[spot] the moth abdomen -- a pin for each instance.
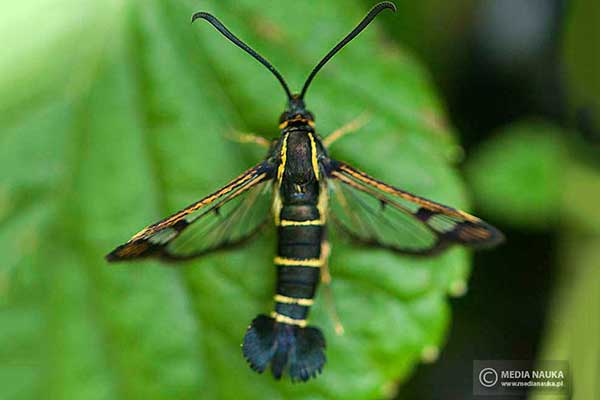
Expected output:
(283, 340)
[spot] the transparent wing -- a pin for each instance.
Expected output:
(230, 217)
(376, 214)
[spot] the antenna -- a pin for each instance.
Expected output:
(235, 40)
(359, 28)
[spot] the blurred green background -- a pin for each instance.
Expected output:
(114, 114)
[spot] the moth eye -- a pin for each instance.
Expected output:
(284, 117)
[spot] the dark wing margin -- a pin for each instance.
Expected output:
(375, 214)
(229, 217)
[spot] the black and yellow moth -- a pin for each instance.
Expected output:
(302, 190)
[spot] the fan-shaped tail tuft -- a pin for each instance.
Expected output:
(300, 351)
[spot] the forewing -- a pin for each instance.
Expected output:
(376, 214)
(229, 217)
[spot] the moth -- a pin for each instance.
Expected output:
(301, 190)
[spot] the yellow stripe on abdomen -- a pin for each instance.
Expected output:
(293, 300)
(287, 320)
(293, 262)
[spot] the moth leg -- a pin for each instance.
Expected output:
(242, 137)
(326, 280)
(350, 127)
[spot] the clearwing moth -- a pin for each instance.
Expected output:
(301, 189)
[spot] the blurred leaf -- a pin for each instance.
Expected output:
(582, 63)
(581, 192)
(446, 23)
(517, 176)
(573, 331)
(115, 116)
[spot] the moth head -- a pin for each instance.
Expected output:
(296, 111)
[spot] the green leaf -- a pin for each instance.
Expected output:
(114, 114)
(573, 332)
(581, 191)
(518, 175)
(582, 59)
